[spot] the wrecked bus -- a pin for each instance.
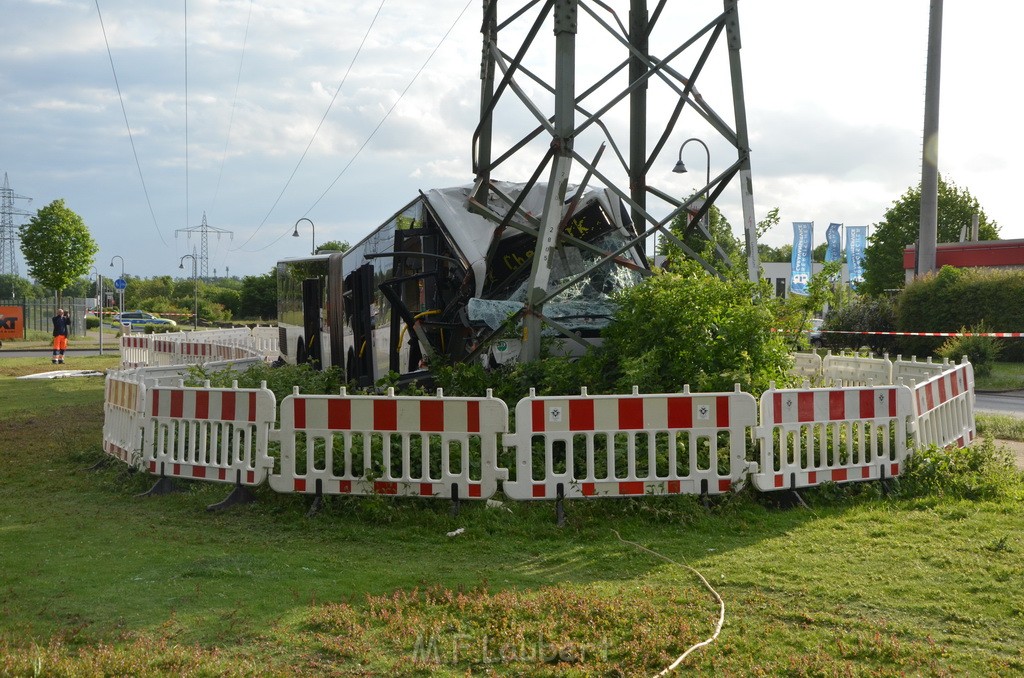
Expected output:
(444, 278)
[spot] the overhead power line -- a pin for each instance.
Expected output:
(124, 112)
(319, 125)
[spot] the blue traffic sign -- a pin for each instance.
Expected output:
(120, 284)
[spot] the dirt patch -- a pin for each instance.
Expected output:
(1017, 448)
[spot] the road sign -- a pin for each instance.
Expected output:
(120, 284)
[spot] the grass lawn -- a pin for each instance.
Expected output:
(97, 581)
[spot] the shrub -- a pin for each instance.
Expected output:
(981, 471)
(688, 327)
(91, 322)
(865, 314)
(955, 298)
(983, 352)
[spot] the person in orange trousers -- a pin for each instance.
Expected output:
(61, 329)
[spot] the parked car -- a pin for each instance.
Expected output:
(815, 333)
(140, 318)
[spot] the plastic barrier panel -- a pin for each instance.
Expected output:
(392, 445)
(807, 366)
(135, 350)
(944, 406)
(811, 436)
(629, 445)
(907, 371)
(853, 370)
(216, 434)
(123, 417)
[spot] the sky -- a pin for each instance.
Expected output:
(339, 112)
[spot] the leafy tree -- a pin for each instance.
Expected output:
(16, 287)
(57, 246)
(883, 257)
(783, 253)
(333, 246)
(721, 236)
(258, 296)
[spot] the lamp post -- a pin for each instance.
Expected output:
(312, 226)
(120, 292)
(195, 281)
(99, 296)
(680, 168)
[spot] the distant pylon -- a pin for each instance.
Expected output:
(8, 237)
(204, 230)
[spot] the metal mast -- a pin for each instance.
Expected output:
(204, 231)
(8, 236)
(566, 115)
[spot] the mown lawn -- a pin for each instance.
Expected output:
(97, 581)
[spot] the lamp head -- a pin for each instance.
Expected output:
(181, 265)
(295, 234)
(680, 168)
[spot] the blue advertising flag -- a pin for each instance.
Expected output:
(803, 237)
(856, 241)
(834, 240)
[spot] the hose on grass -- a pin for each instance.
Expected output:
(721, 604)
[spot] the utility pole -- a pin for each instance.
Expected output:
(929, 228)
(204, 231)
(8, 236)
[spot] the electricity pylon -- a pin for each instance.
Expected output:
(204, 231)
(8, 236)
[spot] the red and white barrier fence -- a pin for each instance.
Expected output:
(630, 445)
(216, 434)
(392, 445)
(191, 348)
(123, 412)
(944, 406)
(854, 370)
(811, 436)
(563, 447)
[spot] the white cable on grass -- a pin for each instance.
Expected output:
(721, 605)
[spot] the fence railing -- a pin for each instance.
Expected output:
(562, 447)
(193, 348)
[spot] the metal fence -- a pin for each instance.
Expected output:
(39, 314)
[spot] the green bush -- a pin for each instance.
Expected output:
(864, 314)
(983, 352)
(981, 471)
(961, 297)
(688, 327)
(91, 322)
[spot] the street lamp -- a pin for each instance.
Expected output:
(120, 292)
(195, 281)
(99, 295)
(295, 234)
(680, 168)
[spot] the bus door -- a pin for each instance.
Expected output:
(335, 311)
(359, 312)
(312, 303)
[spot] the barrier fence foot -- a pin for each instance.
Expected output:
(889, 486)
(455, 501)
(318, 500)
(163, 485)
(239, 495)
(560, 507)
(102, 463)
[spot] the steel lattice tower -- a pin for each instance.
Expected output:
(8, 238)
(204, 230)
(564, 111)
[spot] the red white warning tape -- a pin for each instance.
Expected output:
(920, 334)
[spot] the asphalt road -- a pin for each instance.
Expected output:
(42, 353)
(1009, 402)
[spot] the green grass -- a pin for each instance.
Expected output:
(97, 581)
(1004, 377)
